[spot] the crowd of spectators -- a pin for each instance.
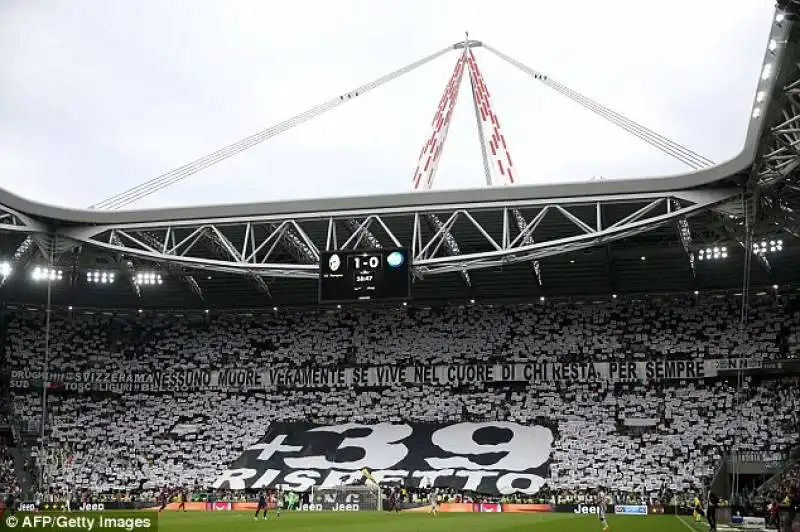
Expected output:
(145, 441)
(677, 328)
(8, 478)
(787, 482)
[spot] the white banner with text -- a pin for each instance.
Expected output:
(374, 376)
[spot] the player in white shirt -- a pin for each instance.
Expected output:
(432, 498)
(279, 500)
(601, 510)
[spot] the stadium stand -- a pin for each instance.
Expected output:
(8, 479)
(787, 482)
(143, 441)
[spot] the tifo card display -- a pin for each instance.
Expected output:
(496, 457)
(364, 275)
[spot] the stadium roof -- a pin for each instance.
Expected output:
(495, 244)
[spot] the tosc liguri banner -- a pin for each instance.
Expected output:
(490, 458)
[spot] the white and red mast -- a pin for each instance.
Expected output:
(498, 165)
(431, 151)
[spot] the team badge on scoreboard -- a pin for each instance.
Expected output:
(334, 262)
(395, 259)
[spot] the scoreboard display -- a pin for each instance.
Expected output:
(364, 275)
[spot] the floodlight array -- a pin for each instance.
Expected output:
(46, 274)
(767, 247)
(767, 72)
(100, 277)
(715, 253)
(148, 278)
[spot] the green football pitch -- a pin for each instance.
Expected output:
(415, 522)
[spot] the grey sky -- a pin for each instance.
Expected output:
(98, 96)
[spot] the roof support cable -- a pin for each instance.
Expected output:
(179, 174)
(667, 146)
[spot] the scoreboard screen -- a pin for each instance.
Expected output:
(363, 275)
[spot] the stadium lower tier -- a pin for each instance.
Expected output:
(632, 437)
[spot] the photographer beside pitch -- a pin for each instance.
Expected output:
(711, 511)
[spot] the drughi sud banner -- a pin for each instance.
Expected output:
(490, 458)
(374, 376)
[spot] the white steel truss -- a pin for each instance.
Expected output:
(780, 159)
(775, 179)
(12, 221)
(488, 233)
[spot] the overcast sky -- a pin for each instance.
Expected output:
(98, 96)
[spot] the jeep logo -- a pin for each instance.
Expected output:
(86, 507)
(345, 508)
(310, 508)
(585, 509)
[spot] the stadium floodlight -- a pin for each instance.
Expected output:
(100, 277)
(715, 253)
(148, 278)
(767, 247)
(5, 269)
(773, 45)
(46, 274)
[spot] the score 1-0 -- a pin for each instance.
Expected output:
(365, 262)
